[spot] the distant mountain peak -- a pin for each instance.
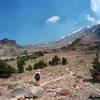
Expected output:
(62, 37)
(7, 40)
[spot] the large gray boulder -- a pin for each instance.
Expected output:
(17, 92)
(30, 92)
(35, 92)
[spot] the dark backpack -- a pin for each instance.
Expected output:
(37, 76)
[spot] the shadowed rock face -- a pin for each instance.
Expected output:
(7, 42)
(89, 40)
(4, 75)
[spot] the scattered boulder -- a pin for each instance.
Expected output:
(86, 80)
(76, 85)
(81, 81)
(11, 86)
(79, 77)
(21, 98)
(64, 92)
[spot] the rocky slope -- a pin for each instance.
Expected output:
(88, 35)
(69, 82)
(90, 40)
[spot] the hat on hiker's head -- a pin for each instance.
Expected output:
(38, 71)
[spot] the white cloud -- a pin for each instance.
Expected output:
(95, 6)
(90, 18)
(53, 19)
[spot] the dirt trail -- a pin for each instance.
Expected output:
(59, 78)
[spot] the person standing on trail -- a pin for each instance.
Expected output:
(37, 77)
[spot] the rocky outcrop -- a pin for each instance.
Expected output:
(9, 48)
(7, 42)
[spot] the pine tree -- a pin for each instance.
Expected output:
(96, 63)
(20, 65)
(64, 61)
(96, 69)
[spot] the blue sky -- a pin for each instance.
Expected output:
(38, 21)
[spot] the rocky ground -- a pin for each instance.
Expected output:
(69, 82)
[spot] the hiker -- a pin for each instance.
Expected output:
(37, 77)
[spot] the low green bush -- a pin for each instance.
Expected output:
(41, 64)
(29, 68)
(55, 61)
(6, 70)
(20, 65)
(64, 61)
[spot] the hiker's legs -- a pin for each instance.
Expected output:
(38, 83)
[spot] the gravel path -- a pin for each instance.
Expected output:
(59, 78)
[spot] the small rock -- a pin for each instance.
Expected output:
(21, 98)
(76, 85)
(11, 86)
(80, 81)
(64, 92)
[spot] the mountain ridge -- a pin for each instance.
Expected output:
(88, 35)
